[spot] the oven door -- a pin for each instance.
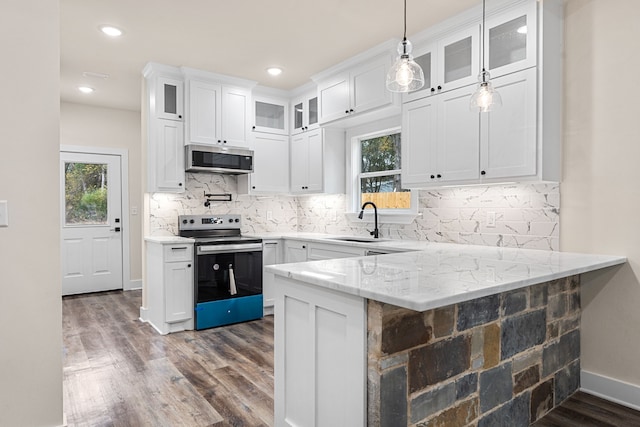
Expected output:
(228, 284)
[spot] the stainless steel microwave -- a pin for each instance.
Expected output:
(215, 159)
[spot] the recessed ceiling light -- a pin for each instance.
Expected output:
(110, 30)
(274, 71)
(522, 30)
(85, 89)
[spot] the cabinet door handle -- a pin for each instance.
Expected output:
(253, 187)
(179, 184)
(439, 176)
(483, 172)
(433, 89)
(351, 110)
(433, 176)
(253, 128)
(439, 87)
(181, 248)
(270, 243)
(304, 247)
(188, 265)
(179, 116)
(346, 111)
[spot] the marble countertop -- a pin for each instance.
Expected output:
(168, 239)
(433, 275)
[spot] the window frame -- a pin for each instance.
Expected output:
(354, 156)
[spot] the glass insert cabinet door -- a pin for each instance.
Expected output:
(510, 41)
(270, 116)
(305, 114)
(169, 98)
(459, 59)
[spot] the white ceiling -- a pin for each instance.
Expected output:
(234, 37)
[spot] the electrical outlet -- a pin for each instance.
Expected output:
(269, 215)
(491, 219)
(4, 213)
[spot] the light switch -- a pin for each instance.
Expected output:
(4, 213)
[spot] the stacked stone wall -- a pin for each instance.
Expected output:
(502, 360)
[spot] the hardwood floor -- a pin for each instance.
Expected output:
(118, 371)
(585, 410)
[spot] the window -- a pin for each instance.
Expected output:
(376, 172)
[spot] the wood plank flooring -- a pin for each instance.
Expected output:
(585, 410)
(119, 371)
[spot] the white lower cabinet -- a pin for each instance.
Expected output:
(169, 286)
(317, 251)
(320, 363)
(295, 251)
(271, 254)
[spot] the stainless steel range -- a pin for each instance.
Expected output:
(228, 270)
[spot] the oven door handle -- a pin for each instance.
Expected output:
(222, 249)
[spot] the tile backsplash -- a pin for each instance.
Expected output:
(526, 215)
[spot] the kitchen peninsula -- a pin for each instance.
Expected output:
(445, 335)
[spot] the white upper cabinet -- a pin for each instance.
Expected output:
(218, 114)
(236, 113)
(166, 157)
(165, 129)
(270, 115)
(317, 162)
(510, 41)
(204, 112)
(304, 114)
(508, 136)
(270, 167)
(358, 90)
(169, 98)
(449, 63)
(440, 140)
(218, 109)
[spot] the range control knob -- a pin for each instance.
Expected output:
(184, 221)
(191, 221)
(230, 220)
(237, 220)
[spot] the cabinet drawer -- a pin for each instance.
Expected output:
(178, 252)
(225, 312)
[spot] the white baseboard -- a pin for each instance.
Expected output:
(144, 314)
(610, 389)
(134, 285)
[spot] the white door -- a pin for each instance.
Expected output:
(91, 248)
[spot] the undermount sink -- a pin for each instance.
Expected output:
(358, 239)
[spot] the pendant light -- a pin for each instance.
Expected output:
(485, 97)
(405, 75)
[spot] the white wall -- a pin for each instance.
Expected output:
(601, 186)
(84, 125)
(30, 289)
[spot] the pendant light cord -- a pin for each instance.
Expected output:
(405, 19)
(483, 30)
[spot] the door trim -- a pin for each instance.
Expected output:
(127, 283)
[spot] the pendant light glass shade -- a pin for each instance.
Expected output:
(485, 98)
(405, 75)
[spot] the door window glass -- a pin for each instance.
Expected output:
(85, 192)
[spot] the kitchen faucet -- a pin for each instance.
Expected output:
(375, 233)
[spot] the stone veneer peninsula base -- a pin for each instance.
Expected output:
(501, 360)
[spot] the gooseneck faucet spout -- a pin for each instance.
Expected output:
(375, 233)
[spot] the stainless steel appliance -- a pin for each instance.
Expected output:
(228, 270)
(218, 159)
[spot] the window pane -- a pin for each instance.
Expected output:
(381, 153)
(385, 192)
(85, 191)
